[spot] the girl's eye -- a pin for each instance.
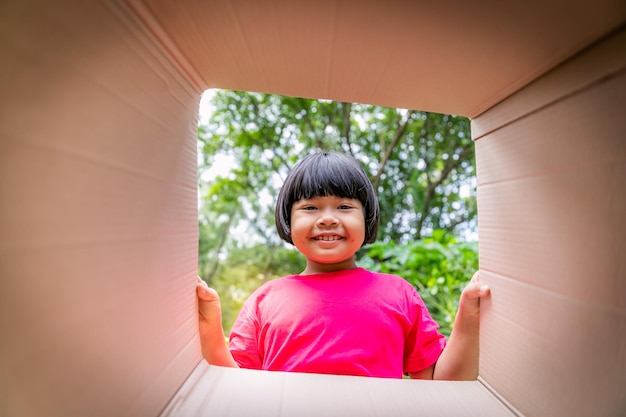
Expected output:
(345, 207)
(308, 208)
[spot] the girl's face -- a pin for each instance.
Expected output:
(328, 231)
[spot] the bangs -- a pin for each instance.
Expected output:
(327, 174)
(329, 178)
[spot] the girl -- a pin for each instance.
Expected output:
(334, 317)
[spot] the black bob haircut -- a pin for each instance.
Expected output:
(327, 174)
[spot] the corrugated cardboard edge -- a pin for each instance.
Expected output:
(499, 397)
(181, 401)
(586, 68)
(146, 20)
(213, 390)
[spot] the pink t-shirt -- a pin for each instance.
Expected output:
(352, 322)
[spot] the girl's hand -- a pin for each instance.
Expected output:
(469, 304)
(212, 341)
(459, 359)
(209, 308)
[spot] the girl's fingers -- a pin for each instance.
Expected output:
(483, 290)
(206, 293)
(480, 290)
(476, 290)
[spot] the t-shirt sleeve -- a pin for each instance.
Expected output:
(243, 342)
(424, 343)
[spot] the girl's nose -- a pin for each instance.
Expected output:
(327, 218)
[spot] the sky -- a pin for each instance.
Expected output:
(205, 106)
(224, 163)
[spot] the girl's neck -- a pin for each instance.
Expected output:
(313, 267)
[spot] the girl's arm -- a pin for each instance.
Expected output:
(459, 359)
(214, 348)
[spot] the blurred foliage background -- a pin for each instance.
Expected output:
(421, 164)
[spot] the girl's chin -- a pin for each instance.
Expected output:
(340, 263)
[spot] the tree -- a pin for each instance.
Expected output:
(418, 162)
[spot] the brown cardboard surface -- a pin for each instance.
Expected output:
(580, 72)
(98, 214)
(212, 390)
(551, 242)
(452, 57)
(553, 355)
(98, 210)
(524, 221)
(548, 176)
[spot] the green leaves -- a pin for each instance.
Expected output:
(245, 269)
(438, 266)
(422, 166)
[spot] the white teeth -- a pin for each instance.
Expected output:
(328, 238)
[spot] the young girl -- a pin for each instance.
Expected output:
(334, 317)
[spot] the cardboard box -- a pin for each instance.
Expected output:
(98, 207)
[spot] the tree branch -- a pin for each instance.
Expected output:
(432, 186)
(454, 163)
(346, 110)
(399, 133)
(222, 242)
(457, 222)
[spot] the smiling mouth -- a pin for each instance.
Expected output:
(327, 238)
